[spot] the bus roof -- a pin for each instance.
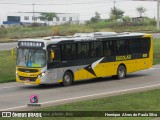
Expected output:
(84, 37)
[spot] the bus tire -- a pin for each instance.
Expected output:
(67, 79)
(121, 72)
(42, 84)
(114, 76)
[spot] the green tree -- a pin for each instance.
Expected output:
(126, 19)
(116, 13)
(141, 10)
(96, 18)
(47, 17)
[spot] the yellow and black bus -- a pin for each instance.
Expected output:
(65, 59)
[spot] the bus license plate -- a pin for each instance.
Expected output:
(26, 80)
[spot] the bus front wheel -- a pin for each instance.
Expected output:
(121, 72)
(67, 79)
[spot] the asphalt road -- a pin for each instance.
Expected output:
(15, 96)
(156, 35)
(9, 46)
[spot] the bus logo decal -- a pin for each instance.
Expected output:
(90, 68)
(29, 64)
(125, 57)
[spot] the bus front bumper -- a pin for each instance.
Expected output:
(28, 80)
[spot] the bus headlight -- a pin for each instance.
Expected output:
(42, 74)
(16, 73)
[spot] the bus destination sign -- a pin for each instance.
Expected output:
(30, 44)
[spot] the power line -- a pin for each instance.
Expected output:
(56, 4)
(65, 3)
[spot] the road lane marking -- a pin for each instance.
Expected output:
(13, 108)
(99, 94)
(86, 96)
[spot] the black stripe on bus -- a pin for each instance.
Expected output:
(92, 60)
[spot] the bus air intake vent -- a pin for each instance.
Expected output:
(27, 70)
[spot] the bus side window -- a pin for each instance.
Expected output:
(93, 52)
(145, 43)
(50, 55)
(68, 52)
(134, 46)
(107, 51)
(83, 50)
(96, 49)
(121, 47)
(53, 54)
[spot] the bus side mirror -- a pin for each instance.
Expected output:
(13, 53)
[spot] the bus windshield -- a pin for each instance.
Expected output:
(31, 57)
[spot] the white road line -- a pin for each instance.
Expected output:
(13, 108)
(100, 94)
(86, 96)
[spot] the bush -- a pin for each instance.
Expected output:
(3, 32)
(152, 22)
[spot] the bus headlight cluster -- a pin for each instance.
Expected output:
(42, 74)
(16, 73)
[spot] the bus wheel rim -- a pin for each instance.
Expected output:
(121, 73)
(67, 79)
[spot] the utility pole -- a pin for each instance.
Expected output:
(33, 13)
(158, 11)
(114, 4)
(158, 8)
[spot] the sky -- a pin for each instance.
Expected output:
(86, 8)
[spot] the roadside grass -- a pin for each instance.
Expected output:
(7, 67)
(116, 27)
(156, 51)
(7, 63)
(140, 101)
(136, 101)
(14, 33)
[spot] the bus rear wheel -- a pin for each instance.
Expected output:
(121, 72)
(67, 79)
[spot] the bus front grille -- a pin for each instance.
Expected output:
(27, 70)
(32, 79)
